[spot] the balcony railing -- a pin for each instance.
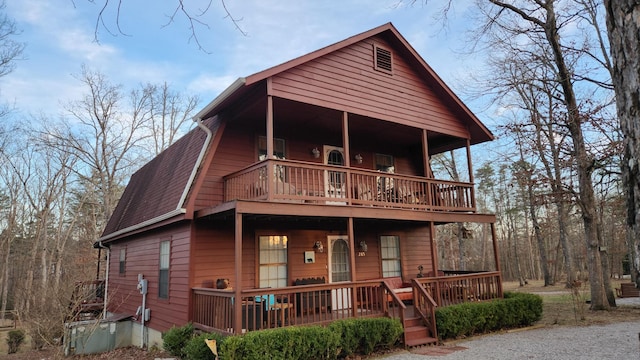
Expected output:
(301, 182)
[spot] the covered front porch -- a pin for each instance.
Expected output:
(217, 310)
(314, 290)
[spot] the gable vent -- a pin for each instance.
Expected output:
(383, 59)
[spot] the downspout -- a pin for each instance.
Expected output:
(196, 166)
(106, 278)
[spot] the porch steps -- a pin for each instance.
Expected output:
(416, 333)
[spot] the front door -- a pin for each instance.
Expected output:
(339, 271)
(334, 180)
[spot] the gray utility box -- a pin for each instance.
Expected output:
(96, 336)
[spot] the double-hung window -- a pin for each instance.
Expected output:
(390, 254)
(273, 261)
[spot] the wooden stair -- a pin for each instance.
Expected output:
(416, 333)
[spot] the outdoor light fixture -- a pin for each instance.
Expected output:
(318, 247)
(363, 246)
(358, 158)
(315, 152)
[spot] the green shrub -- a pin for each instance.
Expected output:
(515, 310)
(366, 335)
(340, 338)
(14, 340)
(197, 349)
(176, 338)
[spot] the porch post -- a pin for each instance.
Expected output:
(347, 154)
(495, 255)
(237, 308)
(270, 170)
(425, 154)
(434, 260)
(495, 247)
(434, 248)
(473, 197)
(269, 121)
(352, 263)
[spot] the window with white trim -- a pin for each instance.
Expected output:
(273, 261)
(163, 278)
(390, 254)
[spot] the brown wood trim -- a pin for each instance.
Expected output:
(271, 208)
(237, 316)
(425, 155)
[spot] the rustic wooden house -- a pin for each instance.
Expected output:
(304, 195)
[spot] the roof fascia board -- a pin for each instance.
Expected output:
(143, 224)
(230, 90)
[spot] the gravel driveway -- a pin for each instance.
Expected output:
(613, 341)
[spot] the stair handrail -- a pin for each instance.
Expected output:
(425, 306)
(395, 299)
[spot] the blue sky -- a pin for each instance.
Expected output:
(59, 37)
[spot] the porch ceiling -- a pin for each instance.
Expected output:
(292, 116)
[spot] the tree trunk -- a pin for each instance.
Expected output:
(623, 24)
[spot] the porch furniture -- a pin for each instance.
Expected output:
(253, 315)
(281, 312)
(312, 301)
(403, 290)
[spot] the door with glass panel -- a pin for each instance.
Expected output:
(339, 271)
(335, 180)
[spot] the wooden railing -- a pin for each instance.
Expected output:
(213, 310)
(296, 181)
(425, 307)
(455, 289)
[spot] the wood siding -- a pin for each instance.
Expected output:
(346, 80)
(214, 251)
(143, 257)
(415, 249)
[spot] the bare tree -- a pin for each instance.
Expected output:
(195, 17)
(171, 112)
(623, 24)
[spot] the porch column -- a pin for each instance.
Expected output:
(352, 263)
(347, 154)
(237, 308)
(473, 196)
(496, 258)
(352, 252)
(269, 121)
(434, 248)
(270, 170)
(425, 154)
(434, 256)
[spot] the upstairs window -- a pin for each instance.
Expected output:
(382, 59)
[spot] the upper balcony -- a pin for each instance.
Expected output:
(304, 182)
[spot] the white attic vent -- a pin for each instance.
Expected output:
(383, 61)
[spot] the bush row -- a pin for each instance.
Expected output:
(337, 340)
(515, 310)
